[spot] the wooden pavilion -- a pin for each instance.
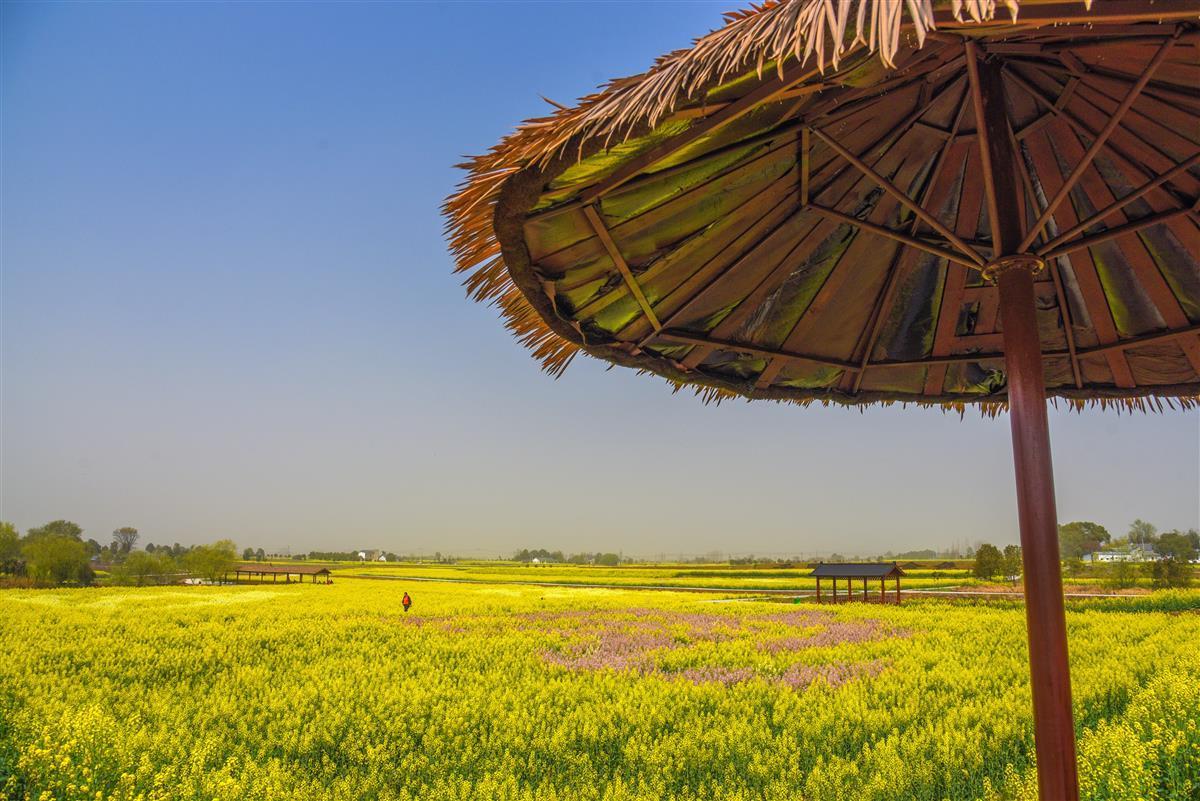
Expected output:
(287, 571)
(854, 571)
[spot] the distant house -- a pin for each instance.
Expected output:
(1133, 553)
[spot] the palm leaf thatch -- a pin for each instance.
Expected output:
(791, 55)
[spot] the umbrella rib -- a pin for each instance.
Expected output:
(661, 264)
(982, 138)
(743, 105)
(708, 284)
(894, 235)
(688, 338)
(1100, 139)
(902, 258)
(1136, 164)
(885, 142)
(606, 239)
(1060, 293)
(753, 350)
(901, 196)
(1136, 194)
(1133, 226)
(1087, 276)
(1139, 259)
(881, 144)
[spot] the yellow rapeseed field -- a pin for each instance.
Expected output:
(501, 692)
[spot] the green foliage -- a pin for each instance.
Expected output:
(1081, 537)
(1179, 545)
(211, 561)
(56, 559)
(1011, 566)
(988, 561)
(123, 541)
(1141, 532)
(141, 567)
(1169, 572)
(541, 554)
(10, 542)
(1120, 575)
(56, 528)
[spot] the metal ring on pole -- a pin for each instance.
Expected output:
(1019, 261)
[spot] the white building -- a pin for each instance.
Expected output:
(1133, 553)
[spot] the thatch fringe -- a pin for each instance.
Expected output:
(762, 36)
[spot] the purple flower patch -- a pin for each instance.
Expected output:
(635, 639)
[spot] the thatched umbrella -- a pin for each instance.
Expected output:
(868, 201)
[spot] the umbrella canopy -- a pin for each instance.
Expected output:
(751, 223)
(871, 201)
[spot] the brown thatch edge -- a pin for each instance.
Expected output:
(521, 192)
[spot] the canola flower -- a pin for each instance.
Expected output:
(496, 692)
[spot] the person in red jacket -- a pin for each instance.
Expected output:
(406, 601)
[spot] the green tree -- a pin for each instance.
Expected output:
(56, 528)
(608, 559)
(260, 555)
(10, 541)
(1120, 575)
(1169, 572)
(1179, 545)
(211, 561)
(988, 561)
(57, 560)
(1010, 563)
(123, 540)
(1141, 532)
(142, 567)
(247, 554)
(1081, 537)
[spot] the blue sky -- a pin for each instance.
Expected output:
(228, 310)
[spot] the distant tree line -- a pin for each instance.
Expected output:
(56, 554)
(542, 555)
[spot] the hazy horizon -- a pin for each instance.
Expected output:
(228, 311)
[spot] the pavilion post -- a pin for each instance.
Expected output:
(818, 589)
(1050, 679)
(882, 592)
(897, 590)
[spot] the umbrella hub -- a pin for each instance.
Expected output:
(1018, 261)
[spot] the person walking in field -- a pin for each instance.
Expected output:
(407, 601)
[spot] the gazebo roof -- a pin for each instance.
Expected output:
(857, 570)
(304, 570)
(705, 221)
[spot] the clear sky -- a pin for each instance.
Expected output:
(228, 310)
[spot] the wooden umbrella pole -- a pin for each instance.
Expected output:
(1050, 678)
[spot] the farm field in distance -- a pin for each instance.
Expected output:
(684, 575)
(518, 692)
